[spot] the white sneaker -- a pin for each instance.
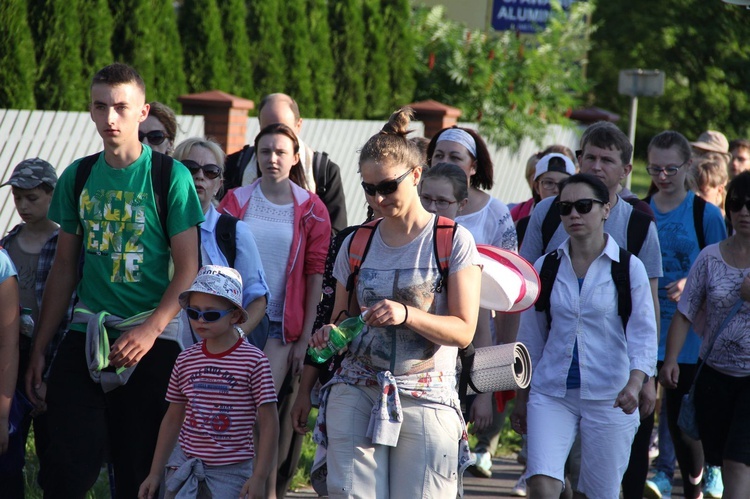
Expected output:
(519, 489)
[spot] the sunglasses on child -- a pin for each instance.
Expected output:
(209, 171)
(582, 206)
(206, 315)
(385, 187)
(154, 137)
(736, 204)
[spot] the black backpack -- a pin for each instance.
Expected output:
(620, 275)
(226, 237)
(161, 174)
(638, 226)
(699, 206)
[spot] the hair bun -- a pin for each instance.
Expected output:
(398, 122)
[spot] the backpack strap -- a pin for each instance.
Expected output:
(699, 206)
(226, 237)
(359, 245)
(161, 176)
(621, 278)
(521, 226)
(547, 277)
(82, 174)
(550, 223)
(320, 172)
(234, 167)
(443, 232)
(638, 225)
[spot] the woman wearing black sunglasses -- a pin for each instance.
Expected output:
(205, 159)
(588, 367)
(159, 129)
(718, 281)
(391, 413)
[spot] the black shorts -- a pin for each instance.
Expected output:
(722, 405)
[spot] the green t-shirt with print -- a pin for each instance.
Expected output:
(126, 265)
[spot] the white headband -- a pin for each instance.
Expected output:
(460, 137)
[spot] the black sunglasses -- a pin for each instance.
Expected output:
(154, 137)
(736, 204)
(582, 206)
(385, 187)
(209, 171)
(207, 315)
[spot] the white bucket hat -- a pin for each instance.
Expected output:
(224, 282)
(509, 282)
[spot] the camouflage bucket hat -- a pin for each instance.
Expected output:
(31, 173)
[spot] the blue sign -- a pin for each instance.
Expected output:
(526, 16)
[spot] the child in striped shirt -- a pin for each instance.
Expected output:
(218, 389)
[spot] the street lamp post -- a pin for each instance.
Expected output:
(639, 83)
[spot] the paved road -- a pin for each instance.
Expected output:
(505, 472)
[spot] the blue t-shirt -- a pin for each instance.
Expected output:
(679, 249)
(574, 372)
(7, 269)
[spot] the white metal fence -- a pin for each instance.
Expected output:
(61, 137)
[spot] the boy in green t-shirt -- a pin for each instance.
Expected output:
(117, 399)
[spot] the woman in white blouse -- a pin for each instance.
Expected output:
(588, 367)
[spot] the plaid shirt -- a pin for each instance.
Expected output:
(46, 256)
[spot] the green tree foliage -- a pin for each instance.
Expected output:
(321, 65)
(298, 54)
(169, 80)
(55, 27)
(347, 41)
(146, 38)
(17, 61)
(512, 86)
(400, 50)
(702, 48)
(377, 82)
(266, 34)
(203, 45)
(239, 52)
(96, 37)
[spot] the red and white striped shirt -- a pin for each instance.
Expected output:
(222, 393)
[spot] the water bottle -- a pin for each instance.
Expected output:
(339, 337)
(27, 323)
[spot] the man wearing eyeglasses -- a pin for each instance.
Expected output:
(605, 153)
(322, 175)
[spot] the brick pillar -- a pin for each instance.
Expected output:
(435, 116)
(225, 116)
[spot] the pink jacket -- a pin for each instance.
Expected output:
(310, 240)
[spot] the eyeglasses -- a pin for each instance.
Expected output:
(736, 204)
(209, 171)
(206, 315)
(440, 204)
(669, 171)
(154, 137)
(549, 185)
(582, 206)
(385, 187)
